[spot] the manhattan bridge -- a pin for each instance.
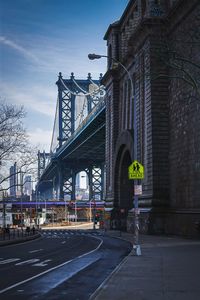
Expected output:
(78, 141)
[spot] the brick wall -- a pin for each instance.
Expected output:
(184, 112)
(151, 46)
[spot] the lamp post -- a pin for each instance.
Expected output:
(136, 246)
(94, 213)
(4, 211)
(90, 210)
(21, 192)
(38, 202)
(65, 210)
(75, 209)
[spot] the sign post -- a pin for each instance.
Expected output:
(135, 172)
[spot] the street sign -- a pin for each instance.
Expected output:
(136, 170)
(137, 190)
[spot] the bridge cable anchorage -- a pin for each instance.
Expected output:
(80, 88)
(101, 88)
(90, 93)
(94, 83)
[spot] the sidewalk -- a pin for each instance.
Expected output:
(169, 268)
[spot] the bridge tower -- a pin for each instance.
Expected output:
(76, 99)
(69, 111)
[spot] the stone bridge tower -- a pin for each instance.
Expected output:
(144, 41)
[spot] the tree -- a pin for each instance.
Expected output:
(13, 137)
(179, 57)
(14, 145)
(26, 165)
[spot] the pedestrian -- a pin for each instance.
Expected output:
(33, 229)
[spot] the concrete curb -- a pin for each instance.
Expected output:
(104, 283)
(20, 240)
(119, 237)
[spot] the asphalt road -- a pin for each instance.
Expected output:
(62, 264)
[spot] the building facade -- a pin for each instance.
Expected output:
(28, 186)
(158, 42)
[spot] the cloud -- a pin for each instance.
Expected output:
(19, 48)
(50, 55)
(39, 135)
(37, 98)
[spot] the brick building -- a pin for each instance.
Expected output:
(158, 41)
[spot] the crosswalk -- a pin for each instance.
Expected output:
(49, 234)
(67, 233)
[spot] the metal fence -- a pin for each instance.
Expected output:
(15, 233)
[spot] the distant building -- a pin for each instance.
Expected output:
(27, 185)
(13, 180)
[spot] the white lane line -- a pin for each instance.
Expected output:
(63, 242)
(42, 263)
(26, 262)
(51, 269)
(7, 261)
(33, 251)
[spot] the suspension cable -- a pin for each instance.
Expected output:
(85, 93)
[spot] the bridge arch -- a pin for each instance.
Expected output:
(123, 187)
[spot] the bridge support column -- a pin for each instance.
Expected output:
(96, 182)
(60, 195)
(69, 187)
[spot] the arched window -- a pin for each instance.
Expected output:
(143, 7)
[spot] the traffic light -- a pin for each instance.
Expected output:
(97, 218)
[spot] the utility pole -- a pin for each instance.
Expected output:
(94, 214)
(21, 192)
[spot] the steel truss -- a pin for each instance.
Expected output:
(95, 176)
(42, 162)
(68, 89)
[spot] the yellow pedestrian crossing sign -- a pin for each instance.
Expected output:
(136, 170)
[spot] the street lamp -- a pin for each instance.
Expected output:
(38, 200)
(94, 213)
(136, 247)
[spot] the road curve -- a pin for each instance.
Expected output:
(46, 268)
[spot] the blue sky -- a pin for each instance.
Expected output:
(39, 39)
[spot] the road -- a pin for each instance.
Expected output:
(62, 264)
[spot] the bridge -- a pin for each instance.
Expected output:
(78, 141)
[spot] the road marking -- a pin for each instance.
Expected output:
(51, 269)
(33, 251)
(63, 242)
(42, 263)
(26, 262)
(7, 261)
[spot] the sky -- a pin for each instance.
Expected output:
(39, 39)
